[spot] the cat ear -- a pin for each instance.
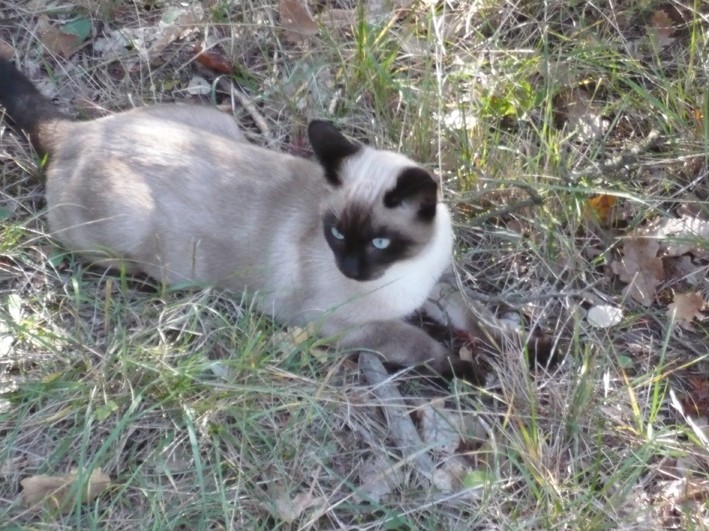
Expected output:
(330, 147)
(415, 185)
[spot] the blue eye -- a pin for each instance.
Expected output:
(336, 233)
(381, 243)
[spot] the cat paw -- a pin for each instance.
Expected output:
(474, 372)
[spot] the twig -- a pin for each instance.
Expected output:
(250, 107)
(402, 429)
(534, 200)
(625, 158)
(516, 301)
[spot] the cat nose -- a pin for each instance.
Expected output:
(351, 267)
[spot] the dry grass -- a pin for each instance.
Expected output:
(207, 416)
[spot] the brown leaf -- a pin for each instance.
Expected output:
(696, 400)
(641, 268)
(600, 208)
(58, 42)
(213, 60)
(296, 21)
(686, 307)
(378, 477)
(662, 24)
(581, 113)
(289, 509)
(57, 490)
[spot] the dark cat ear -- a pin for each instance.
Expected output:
(415, 185)
(330, 147)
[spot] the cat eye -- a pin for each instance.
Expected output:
(381, 243)
(337, 234)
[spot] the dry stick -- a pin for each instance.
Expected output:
(250, 107)
(534, 200)
(402, 429)
(625, 158)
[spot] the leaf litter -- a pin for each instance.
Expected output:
(58, 492)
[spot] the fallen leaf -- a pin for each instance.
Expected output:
(477, 478)
(296, 21)
(604, 316)
(295, 338)
(465, 353)
(686, 307)
(289, 509)
(684, 269)
(378, 477)
(213, 60)
(114, 44)
(696, 400)
(439, 428)
(640, 268)
(176, 23)
(682, 235)
(198, 86)
(662, 28)
(582, 114)
(454, 475)
(13, 303)
(57, 490)
(79, 27)
(58, 42)
(600, 208)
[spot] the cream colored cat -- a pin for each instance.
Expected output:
(352, 243)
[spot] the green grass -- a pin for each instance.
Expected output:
(206, 415)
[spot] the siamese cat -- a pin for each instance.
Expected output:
(353, 242)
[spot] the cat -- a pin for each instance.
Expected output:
(353, 242)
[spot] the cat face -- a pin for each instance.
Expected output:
(382, 209)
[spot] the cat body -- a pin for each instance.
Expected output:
(352, 243)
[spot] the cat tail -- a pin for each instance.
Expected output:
(25, 105)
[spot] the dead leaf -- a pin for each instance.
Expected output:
(465, 353)
(378, 477)
(176, 23)
(455, 475)
(57, 490)
(600, 208)
(198, 86)
(58, 42)
(604, 316)
(213, 60)
(686, 307)
(289, 509)
(684, 269)
(439, 428)
(295, 338)
(696, 400)
(682, 235)
(640, 268)
(296, 21)
(581, 113)
(662, 28)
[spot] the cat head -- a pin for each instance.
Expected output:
(382, 208)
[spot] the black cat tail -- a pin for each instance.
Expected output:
(25, 105)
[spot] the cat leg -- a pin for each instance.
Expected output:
(405, 345)
(448, 306)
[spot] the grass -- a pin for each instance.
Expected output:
(206, 415)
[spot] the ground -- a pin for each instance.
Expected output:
(572, 140)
